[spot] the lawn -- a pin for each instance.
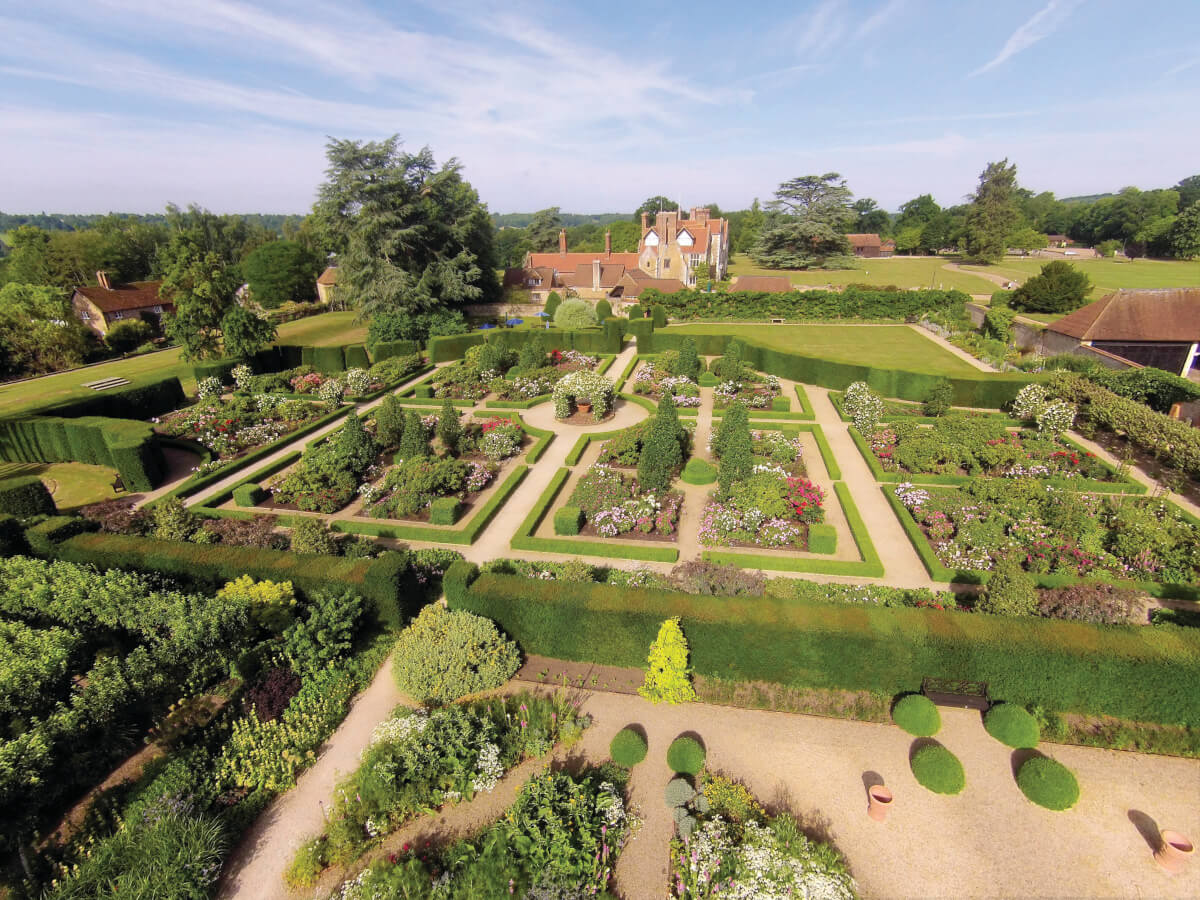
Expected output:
(901, 271)
(884, 346)
(322, 330)
(1108, 275)
(72, 484)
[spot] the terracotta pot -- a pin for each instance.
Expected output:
(1174, 851)
(879, 799)
(584, 407)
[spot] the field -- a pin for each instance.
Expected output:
(902, 271)
(886, 346)
(1109, 275)
(322, 330)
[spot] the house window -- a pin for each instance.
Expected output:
(118, 315)
(85, 315)
(666, 265)
(157, 309)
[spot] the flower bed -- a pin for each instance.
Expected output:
(654, 380)
(730, 847)
(328, 476)
(230, 428)
(613, 506)
(407, 491)
(960, 446)
(1055, 531)
(753, 390)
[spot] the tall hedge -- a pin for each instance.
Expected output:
(1142, 673)
(990, 391)
(851, 303)
(129, 447)
(589, 340)
(24, 497)
(329, 360)
(356, 357)
(386, 581)
(388, 349)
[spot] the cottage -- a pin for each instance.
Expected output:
(866, 246)
(1159, 328)
(101, 306)
(326, 282)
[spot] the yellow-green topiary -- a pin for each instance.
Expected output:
(270, 604)
(668, 678)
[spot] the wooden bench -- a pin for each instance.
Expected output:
(118, 485)
(961, 694)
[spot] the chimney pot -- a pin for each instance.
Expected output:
(562, 240)
(595, 274)
(102, 280)
(608, 243)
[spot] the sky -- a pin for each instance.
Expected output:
(127, 105)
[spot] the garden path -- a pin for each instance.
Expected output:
(957, 351)
(255, 869)
(298, 444)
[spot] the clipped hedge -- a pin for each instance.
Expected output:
(990, 391)
(43, 537)
(938, 770)
(127, 446)
(387, 349)
(1048, 783)
(356, 357)
(699, 471)
(140, 400)
(329, 360)
(250, 494)
(685, 756)
(385, 581)
(12, 536)
(918, 715)
(1147, 673)
(444, 511)
(822, 539)
(568, 520)
(1012, 725)
(26, 496)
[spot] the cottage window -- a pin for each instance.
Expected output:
(85, 315)
(667, 265)
(157, 309)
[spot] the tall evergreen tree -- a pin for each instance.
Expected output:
(389, 422)
(993, 214)
(736, 450)
(532, 355)
(355, 446)
(689, 359)
(661, 454)
(542, 233)
(448, 429)
(413, 444)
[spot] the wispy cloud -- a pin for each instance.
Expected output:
(1042, 24)
(1182, 67)
(879, 18)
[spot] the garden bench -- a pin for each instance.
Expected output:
(118, 485)
(961, 694)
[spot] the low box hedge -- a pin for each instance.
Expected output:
(26, 496)
(805, 404)
(707, 379)
(822, 538)
(423, 391)
(47, 534)
(568, 520)
(250, 494)
(1143, 673)
(444, 511)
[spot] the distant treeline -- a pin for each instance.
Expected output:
(522, 220)
(73, 222)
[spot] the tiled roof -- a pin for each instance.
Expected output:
(138, 295)
(329, 276)
(609, 275)
(863, 240)
(566, 262)
(1169, 315)
(762, 284)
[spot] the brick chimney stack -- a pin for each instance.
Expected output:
(102, 280)
(645, 221)
(595, 274)
(562, 240)
(607, 243)
(701, 213)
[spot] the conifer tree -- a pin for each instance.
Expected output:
(661, 453)
(737, 456)
(448, 429)
(689, 359)
(355, 446)
(389, 422)
(668, 678)
(532, 355)
(414, 444)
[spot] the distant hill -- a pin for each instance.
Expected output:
(521, 220)
(74, 222)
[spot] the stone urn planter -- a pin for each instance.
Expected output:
(879, 799)
(1174, 851)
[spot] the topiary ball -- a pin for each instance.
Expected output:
(917, 715)
(699, 471)
(939, 770)
(1048, 783)
(1012, 725)
(679, 791)
(685, 756)
(628, 748)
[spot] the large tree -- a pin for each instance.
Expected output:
(1058, 288)
(282, 271)
(817, 199)
(652, 205)
(869, 218)
(917, 211)
(1189, 191)
(38, 333)
(993, 214)
(542, 233)
(202, 286)
(415, 236)
(1185, 233)
(806, 224)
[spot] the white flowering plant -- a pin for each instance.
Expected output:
(208, 389)
(864, 406)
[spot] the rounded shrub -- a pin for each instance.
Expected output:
(1048, 783)
(446, 654)
(699, 471)
(938, 770)
(679, 792)
(574, 314)
(685, 756)
(628, 748)
(917, 715)
(1012, 725)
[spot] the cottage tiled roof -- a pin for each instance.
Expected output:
(610, 274)
(122, 297)
(329, 276)
(863, 240)
(1170, 315)
(567, 262)
(762, 284)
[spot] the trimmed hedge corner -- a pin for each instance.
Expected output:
(1012, 725)
(918, 715)
(444, 511)
(423, 391)
(44, 537)
(628, 748)
(685, 756)
(25, 497)
(822, 539)
(1048, 783)
(938, 770)
(568, 520)
(250, 494)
